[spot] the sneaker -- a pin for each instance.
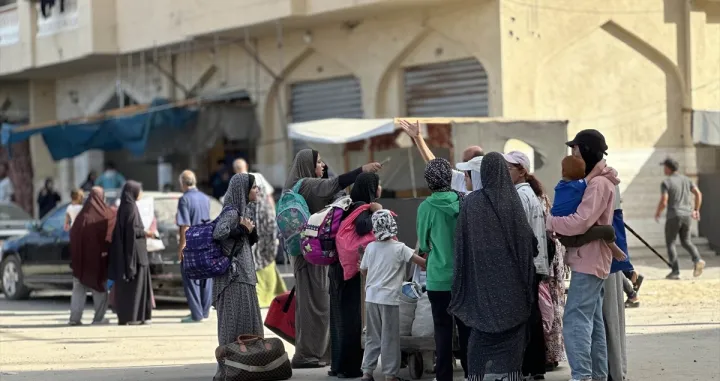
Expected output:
(699, 267)
(673, 276)
(74, 323)
(101, 322)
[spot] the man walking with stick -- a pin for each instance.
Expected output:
(676, 191)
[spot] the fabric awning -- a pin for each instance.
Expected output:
(706, 127)
(158, 129)
(339, 131)
(67, 140)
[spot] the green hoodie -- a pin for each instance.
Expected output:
(436, 219)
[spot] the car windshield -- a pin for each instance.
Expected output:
(10, 212)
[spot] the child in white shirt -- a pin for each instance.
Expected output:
(384, 268)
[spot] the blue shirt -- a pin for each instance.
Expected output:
(568, 196)
(193, 208)
(110, 180)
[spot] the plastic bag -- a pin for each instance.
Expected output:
(408, 302)
(422, 325)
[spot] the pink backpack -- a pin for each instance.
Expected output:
(318, 239)
(348, 243)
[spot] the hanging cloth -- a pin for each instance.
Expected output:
(46, 5)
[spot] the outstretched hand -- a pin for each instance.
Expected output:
(413, 130)
(371, 167)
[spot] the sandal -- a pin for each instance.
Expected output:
(632, 303)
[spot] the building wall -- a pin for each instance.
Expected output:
(625, 68)
(375, 51)
(629, 69)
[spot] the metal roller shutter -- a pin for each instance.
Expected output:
(454, 88)
(330, 98)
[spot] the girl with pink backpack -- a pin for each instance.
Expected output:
(355, 233)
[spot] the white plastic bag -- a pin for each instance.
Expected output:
(422, 325)
(408, 301)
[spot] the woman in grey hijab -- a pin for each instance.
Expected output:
(494, 258)
(234, 293)
(312, 335)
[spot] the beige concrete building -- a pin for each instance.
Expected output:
(634, 70)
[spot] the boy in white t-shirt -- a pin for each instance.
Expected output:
(383, 265)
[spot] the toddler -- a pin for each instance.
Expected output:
(568, 196)
(383, 265)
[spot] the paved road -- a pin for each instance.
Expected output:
(675, 335)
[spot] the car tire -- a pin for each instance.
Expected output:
(12, 279)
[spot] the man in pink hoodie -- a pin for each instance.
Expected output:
(583, 326)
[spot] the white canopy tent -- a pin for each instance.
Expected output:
(330, 136)
(340, 131)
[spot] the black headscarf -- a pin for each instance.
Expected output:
(365, 188)
(494, 257)
(128, 249)
(438, 175)
(590, 157)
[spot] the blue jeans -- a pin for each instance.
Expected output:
(199, 296)
(584, 329)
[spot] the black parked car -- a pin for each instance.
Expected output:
(40, 259)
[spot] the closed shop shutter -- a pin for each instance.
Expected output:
(329, 98)
(455, 88)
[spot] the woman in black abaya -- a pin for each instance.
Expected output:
(345, 295)
(494, 258)
(129, 266)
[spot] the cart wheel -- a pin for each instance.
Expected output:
(415, 365)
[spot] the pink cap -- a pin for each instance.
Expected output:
(517, 157)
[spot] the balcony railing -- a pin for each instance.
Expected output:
(9, 25)
(57, 20)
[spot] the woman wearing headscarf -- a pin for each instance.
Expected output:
(494, 258)
(345, 295)
(436, 220)
(129, 265)
(530, 190)
(270, 284)
(554, 342)
(90, 237)
(311, 290)
(234, 293)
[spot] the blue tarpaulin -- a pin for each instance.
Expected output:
(67, 140)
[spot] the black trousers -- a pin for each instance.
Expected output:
(444, 324)
(534, 362)
(345, 323)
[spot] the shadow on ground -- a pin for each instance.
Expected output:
(687, 355)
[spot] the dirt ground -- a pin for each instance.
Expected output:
(674, 335)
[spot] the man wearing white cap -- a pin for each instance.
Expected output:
(467, 178)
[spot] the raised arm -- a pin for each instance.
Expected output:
(413, 131)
